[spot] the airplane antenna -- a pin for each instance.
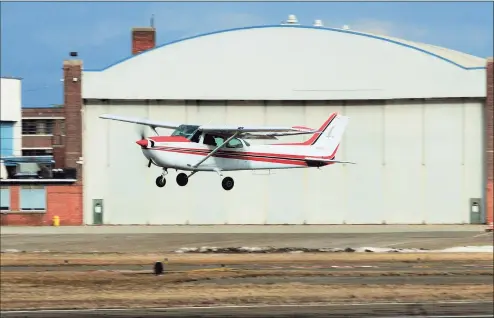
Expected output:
(152, 20)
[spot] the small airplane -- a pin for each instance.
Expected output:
(221, 148)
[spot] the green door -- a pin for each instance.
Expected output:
(476, 211)
(97, 211)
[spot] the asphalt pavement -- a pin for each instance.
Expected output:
(142, 239)
(442, 310)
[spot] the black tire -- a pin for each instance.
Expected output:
(182, 179)
(227, 183)
(160, 181)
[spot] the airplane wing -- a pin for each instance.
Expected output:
(246, 132)
(255, 129)
(256, 132)
(141, 121)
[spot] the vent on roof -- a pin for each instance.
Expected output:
(318, 23)
(292, 20)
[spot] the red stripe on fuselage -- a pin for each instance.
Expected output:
(246, 155)
(238, 156)
(231, 152)
(169, 139)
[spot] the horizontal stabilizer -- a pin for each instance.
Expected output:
(322, 161)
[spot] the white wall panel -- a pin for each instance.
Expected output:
(10, 99)
(325, 189)
(443, 133)
(249, 206)
(286, 203)
(473, 159)
(364, 180)
(97, 159)
(443, 147)
(402, 165)
(11, 109)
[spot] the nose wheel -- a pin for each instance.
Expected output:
(227, 183)
(160, 181)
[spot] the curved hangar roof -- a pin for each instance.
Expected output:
(283, 62)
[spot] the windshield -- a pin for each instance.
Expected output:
(185, 130)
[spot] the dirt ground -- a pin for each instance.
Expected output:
(114, 289)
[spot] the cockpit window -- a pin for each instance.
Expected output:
(186, 131)
(235, 143)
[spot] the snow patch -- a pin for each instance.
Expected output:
(470, 249)
(11, 250)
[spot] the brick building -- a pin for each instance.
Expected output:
(55, 133)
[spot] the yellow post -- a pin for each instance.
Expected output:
(56, 220)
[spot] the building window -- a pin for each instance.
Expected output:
(62, 127)
(37, 152)
(33, 198)
(4, 198)
(37, 126)
(6, 138)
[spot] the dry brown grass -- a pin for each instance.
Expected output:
(145, 259)
(113, 289)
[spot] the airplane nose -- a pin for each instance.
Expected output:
(142, 143)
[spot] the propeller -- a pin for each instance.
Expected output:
(141, 132)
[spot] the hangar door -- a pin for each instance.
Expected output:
(417, 162)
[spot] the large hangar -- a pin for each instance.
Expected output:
(416, 128)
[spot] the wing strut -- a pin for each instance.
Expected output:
(216, 149)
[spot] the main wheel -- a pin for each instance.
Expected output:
(227, 183)
(160, 181)
(182, 179)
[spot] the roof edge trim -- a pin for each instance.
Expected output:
(291, 26)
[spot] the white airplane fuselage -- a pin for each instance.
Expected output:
(184, 155)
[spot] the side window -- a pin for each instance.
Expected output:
(196, 136)
(212, 140)
(234, 143)
(219, 140)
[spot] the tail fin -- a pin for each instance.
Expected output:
(331, 135)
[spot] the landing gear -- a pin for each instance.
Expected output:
(227, 183)
(182, 179)
(161, 181)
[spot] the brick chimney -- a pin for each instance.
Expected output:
(72, 70)
(143, 39)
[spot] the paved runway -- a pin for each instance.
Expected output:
(169, 238)
(253, 229)
(355, 310)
